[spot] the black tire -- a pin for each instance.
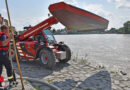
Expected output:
(68, 53)
(14, 57)
(47, 58)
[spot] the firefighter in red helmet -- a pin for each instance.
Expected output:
(4, 55)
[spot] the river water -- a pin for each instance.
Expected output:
(111, 50)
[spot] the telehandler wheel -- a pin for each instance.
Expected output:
(68, 53)
(13, 56)
(47, 58)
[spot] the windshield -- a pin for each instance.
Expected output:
(49, 36)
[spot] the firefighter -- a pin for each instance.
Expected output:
(4, 55)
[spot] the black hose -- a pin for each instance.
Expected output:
(39, 81)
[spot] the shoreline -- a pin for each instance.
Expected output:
(111, 68)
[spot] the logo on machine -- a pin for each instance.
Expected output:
(36, 30)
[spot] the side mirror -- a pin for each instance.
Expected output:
(49, 15)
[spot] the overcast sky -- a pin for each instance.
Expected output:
(31, 12)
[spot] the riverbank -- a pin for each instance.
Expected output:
(75, 76)
(109, 50)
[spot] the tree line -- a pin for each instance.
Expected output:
(122, 30)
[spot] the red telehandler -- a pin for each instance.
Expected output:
(38, 42)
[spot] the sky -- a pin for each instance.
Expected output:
(32, 12)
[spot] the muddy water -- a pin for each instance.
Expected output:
(111, 50)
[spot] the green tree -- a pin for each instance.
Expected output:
(127, 27)
(121, 30)
(112, 30)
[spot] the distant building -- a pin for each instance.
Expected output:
(63, 32)
(3, 21)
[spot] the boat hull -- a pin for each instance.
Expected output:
(77, 19)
